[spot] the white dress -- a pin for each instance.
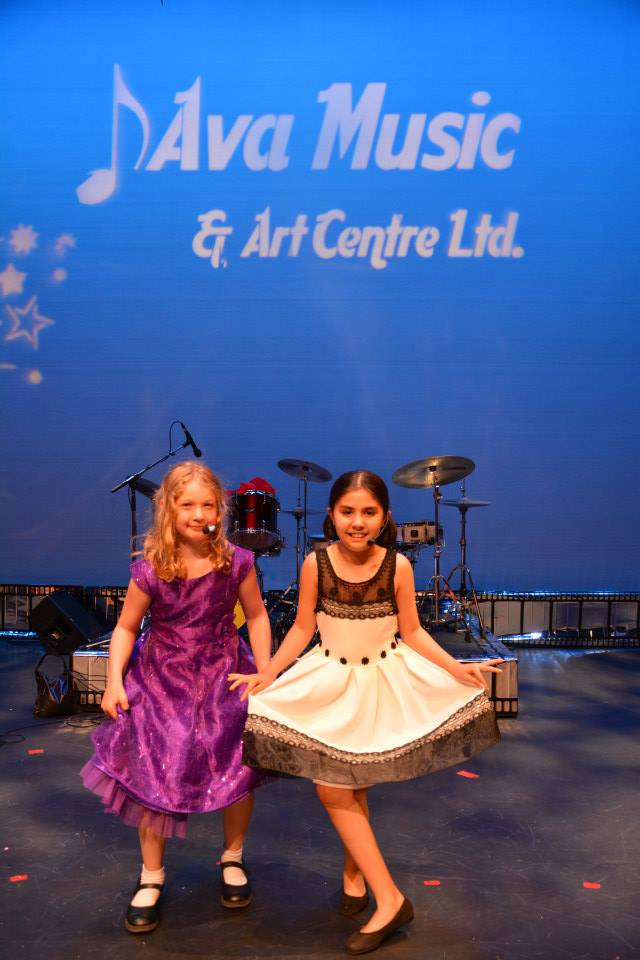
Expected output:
(363, 707)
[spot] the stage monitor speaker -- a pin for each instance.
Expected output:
(63, 624)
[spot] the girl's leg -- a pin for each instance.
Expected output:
(151, 848)
(352, 879)
(236, 822)
(152, 852)
(353, 828)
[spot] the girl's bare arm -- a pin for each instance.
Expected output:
(296, 639)
(257, 619)
(123, 638)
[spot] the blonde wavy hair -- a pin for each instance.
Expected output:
(161, 546)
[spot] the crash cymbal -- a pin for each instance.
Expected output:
(433, 471)
(146, 487)
(465, 504)
(303, 468)
(299, 512)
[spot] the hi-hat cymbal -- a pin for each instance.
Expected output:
(299, 512)
(303, 468)
(463, 503)
(433, 471)
(146, 487)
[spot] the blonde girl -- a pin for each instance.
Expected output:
(171, 743)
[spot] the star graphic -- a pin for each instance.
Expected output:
(23, 239)
(63, 242)
(11, 280)
(16, 315)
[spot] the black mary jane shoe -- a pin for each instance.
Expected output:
(350, 905)
(235, 895)
(367, 942)
(143, 919)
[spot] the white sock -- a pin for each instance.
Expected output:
(147, 898)
(233, 875)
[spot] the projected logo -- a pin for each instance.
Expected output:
(361, 131)
(358, 133)
(23, 321)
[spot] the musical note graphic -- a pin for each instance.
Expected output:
(100, 184)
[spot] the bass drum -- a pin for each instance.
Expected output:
(253, 521)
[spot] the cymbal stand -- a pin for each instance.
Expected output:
(462, 566)
(441, 584)
(437, 549)
(289, 598)
(472, 600)
(300, 513)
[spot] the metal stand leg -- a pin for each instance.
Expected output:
(464, 570)
(437, 550)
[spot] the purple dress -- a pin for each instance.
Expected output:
(178, 749)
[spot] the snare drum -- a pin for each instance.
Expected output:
(418, 533)
(253, 517)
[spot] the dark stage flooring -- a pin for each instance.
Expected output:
(555, 805)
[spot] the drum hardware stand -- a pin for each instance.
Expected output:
(463, 505)
(299, 513)
(304, 471)
(466, 603)
(435, 472)
(146, 487)
(437, 547)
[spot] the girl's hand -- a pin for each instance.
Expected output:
(253, 682)
(471, 673)
(114, 697)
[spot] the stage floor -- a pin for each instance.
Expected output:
(495, 864)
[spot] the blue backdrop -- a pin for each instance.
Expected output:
(150, 152)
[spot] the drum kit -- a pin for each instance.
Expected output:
(434, 473)
(254, 524)
(253, 514)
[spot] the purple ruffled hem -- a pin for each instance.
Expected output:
(117, 801)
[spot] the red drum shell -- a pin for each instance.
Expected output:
(254, 520)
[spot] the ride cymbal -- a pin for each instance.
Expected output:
(304, 469)
(433, 471)
(463, 503)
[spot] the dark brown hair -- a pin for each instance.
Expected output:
(362, 480)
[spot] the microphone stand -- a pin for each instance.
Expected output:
(131, 483)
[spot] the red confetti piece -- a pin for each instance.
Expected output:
(18, 877)
(32, 753)
(468, 774)
(431, 883)
(591, 886)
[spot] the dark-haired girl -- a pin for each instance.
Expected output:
(363, 707)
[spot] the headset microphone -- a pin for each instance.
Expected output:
(209, 528)
(371, 542)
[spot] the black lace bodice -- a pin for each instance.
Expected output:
(356, 601)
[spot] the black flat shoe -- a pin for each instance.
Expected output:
(350, 906)
(366, 942)
(143, 919)
(235, 894)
